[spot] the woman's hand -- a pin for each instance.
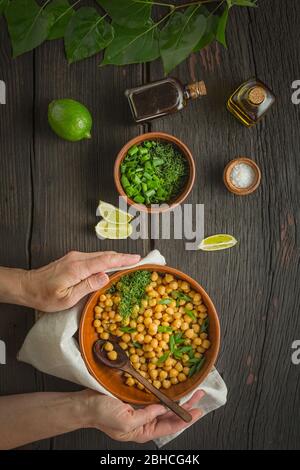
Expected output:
(60, 284)
(122, 422)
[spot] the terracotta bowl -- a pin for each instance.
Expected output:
(241, 191)
(184, 151)
(112, 379)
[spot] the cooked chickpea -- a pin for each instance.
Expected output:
(184, 326)
(102, 297)
(130, 381)
(174, 380)
(100, 329)
(154, 343)
(190, 333)
(104, 335)
(123, 345)
(178, 366)
(140, 327)
(182, 377)
(152, 330)
(156, 383)
(147, 339)
(97, 323)
(206, 344)
(176, 324)
(140, 338)
(108, 346)
(153, 374)
(126, 338)
(173, 373)
(112, 355)
(147, 322)
(98, 310)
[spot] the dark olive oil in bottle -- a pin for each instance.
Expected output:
(162, 97)
(250, 102)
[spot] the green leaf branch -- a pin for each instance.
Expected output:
(124, 29)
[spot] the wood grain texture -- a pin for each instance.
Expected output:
(16, 153)
(50, 189)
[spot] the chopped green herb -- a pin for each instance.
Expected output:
(197, 366)
(163, 358)
(172, 344)
(136, 345)
(205, 325)
(178, 338)
(132, 291)
(190, 313)
(164, 329)
(165, 301)
(177, 295)
(127, 329)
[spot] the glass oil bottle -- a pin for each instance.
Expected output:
(157, 99)
(250, 102)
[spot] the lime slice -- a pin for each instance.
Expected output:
(112, 214)
(70, 119)
(105, 229)
(217, 242)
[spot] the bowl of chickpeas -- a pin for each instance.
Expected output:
(165, 322)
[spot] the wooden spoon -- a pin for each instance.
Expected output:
(122, 362)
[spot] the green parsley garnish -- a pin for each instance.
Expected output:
(132, 291)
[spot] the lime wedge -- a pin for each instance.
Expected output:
(217, 242)
(112, 214)
(105, 229)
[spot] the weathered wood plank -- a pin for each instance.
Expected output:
(16, 153)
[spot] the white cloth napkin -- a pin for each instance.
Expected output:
(50, 346)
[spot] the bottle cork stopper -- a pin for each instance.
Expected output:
(197, 89)
(257, 95)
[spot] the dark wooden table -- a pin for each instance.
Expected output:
(49, 191)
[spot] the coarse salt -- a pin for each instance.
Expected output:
(242, 175)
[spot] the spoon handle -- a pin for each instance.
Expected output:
(172, 405)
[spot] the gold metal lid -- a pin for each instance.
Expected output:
(197, 89)
(257, 95)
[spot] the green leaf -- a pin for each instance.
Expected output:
(127, 329)
(180, 35)
(221, 29)
(128, 13)
(137, 345)
(28, 25)
(212, 22)
(165, 301)
(190, 313)
(242, 3)
(62, 12)
(172, 344)
(3, 5)
(205, 325)
(163, 358)
(164, 329)
(87, 33)
(132, 46)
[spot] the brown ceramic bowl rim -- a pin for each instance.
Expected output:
(185, 152)
(227, 172)
(214, 349)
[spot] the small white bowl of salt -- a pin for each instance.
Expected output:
(242, 176)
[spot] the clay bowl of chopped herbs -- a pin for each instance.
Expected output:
(117, 312)
(155, 172)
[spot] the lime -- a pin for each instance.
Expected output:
(112, 214)
(105, 229)
(217, 242)
(70, 119)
